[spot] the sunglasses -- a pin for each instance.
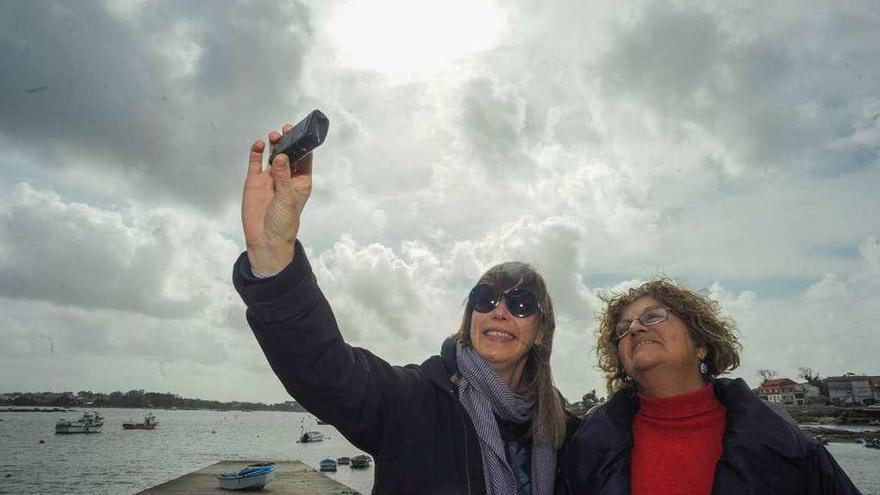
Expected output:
(521, 302)
(650, 317)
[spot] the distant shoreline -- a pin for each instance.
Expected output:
(135, 399)
(37, 409)
(89, 408)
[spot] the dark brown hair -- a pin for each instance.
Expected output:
(548, 422)
(701, 314)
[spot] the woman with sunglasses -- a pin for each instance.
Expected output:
(671, 426)
(481, 417)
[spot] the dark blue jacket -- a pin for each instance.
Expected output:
(763, 452)
(408, 418)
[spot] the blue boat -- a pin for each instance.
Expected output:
(249, 478)
(328, 465)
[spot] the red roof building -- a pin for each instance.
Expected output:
(778, 390)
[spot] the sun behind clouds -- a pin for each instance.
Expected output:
(402, 38)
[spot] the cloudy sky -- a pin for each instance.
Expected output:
(734, 147)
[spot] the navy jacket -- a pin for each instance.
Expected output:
(763, 452)
(408, 418)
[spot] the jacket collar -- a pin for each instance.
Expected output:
(617, 415)
(448, 352)
(442, 369)
(752, 422)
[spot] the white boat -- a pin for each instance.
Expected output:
(309, 436)
(249, 478)
(88, 423)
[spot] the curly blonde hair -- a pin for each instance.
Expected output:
(701, 314)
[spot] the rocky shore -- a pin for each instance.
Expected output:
(840, 436)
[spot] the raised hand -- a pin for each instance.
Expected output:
(272, 205)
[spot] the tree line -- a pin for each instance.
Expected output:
(138, 399)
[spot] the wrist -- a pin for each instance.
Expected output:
(270, 259)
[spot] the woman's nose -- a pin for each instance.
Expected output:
(500, 311)
(637, 326)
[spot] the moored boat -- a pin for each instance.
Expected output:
(309, 436)
(343, 461)
(328, 465)
(88, 423)
(149, 423)
(360, 461)
(249, 478)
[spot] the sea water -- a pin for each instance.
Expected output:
(117, 461)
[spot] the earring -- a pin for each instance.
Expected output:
(704, 368)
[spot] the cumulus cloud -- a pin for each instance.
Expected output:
(167, 92)
(828, 327)
(762, 96)
(53, 347)
(152, 261)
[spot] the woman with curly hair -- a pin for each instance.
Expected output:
(671, 426)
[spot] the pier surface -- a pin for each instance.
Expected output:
(290, 477)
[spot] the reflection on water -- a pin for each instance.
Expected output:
(118, 461)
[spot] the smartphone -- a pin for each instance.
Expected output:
(305, 136)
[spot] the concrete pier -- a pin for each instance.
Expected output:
(291, 477)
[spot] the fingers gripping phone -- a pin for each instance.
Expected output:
(305, 136)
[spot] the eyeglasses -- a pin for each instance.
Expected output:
(521, 302)
(650, 317)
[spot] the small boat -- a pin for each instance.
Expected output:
(872, 443)
(88, 423)
(322, 422)
(149, 423)
(328, 465)
(360, 461)
(343, 461)
(249, 478)
(310, 436)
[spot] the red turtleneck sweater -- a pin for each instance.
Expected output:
(677, 443)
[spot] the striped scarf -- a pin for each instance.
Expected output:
(484, 395)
